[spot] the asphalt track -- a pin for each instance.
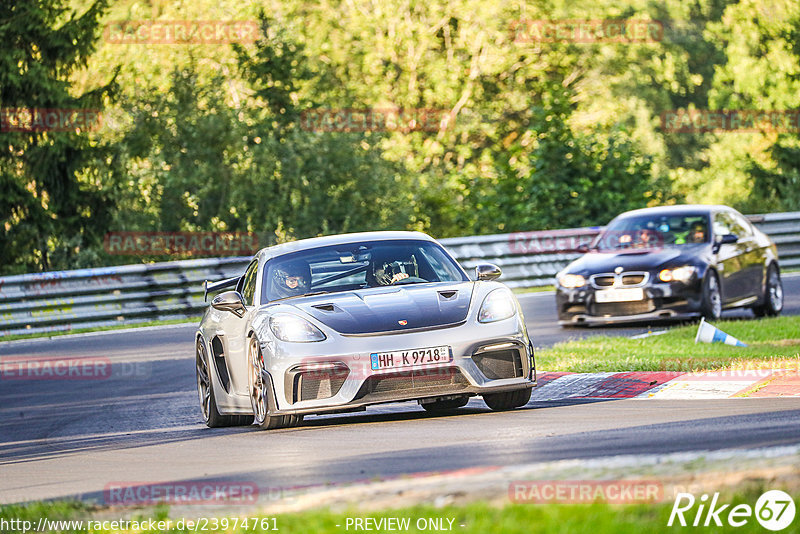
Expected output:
(141, 423)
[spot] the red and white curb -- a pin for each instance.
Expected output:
(667, 385)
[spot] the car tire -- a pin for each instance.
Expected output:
(445, 405)
(772, 301)
(711, 307)
(507, 400)
(205, 391)
(259, 390)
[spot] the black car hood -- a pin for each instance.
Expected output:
(384, 309)
(638, 259)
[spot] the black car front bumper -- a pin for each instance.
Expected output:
(663, 301)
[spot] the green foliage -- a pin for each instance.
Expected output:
(52, 201)
(535, 135)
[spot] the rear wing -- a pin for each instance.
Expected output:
(210, 287)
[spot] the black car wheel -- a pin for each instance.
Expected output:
(772, 300)
(712, 297)
(507, 400)
(205, 390)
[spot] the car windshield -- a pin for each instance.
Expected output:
(653, 231)
(357, 265)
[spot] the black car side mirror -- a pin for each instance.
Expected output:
(487, 271)
(230, 301)
(727, 239)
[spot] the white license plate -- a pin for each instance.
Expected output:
(619, 295)
(408, 358)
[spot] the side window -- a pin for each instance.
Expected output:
(249, 283)
(742, 226)
(722, 224)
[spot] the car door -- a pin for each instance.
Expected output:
(236, 328)
(753, 256)
(729, 259)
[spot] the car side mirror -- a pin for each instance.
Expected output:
(230, 301)
(727, 239)
(583, 248)
(487, 271)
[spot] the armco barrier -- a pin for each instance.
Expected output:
(66, 300)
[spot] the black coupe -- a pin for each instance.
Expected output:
(668, 263)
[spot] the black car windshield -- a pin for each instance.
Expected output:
(357, 265)
(653, 231)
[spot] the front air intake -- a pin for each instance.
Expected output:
(499, 363)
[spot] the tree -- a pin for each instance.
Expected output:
(51, 202)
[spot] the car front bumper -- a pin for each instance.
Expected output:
(663, 301)
(336, 375)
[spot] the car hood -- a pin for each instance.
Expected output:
(637, 260)
(387, 309)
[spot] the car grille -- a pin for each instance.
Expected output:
(603, 280)
(625, 279)
(632, 279)
(499, 364)
(409, 383)
(315, 381)
(310, 387)
(623, 308)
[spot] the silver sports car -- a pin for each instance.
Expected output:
(334, 324)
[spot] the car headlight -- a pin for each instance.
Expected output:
(571, 281)
(289, 327)
(679, 274)
(498, 305)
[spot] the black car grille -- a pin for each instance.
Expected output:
(632, 279)
(626, 279)
(499, 364)
(623, 308)
(604, 280)
(392, 386)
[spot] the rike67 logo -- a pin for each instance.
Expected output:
(774, 510)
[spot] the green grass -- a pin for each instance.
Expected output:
(537, 289)
(775, 339)
(476, 518)
(99, 329)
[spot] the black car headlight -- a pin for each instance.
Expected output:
(678, 274)
(571, 281)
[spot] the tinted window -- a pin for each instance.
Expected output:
(357, 265)
(249, 284)
(723, 224)
(653, 231)
(741, 226)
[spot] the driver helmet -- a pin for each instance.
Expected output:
(290, 279)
